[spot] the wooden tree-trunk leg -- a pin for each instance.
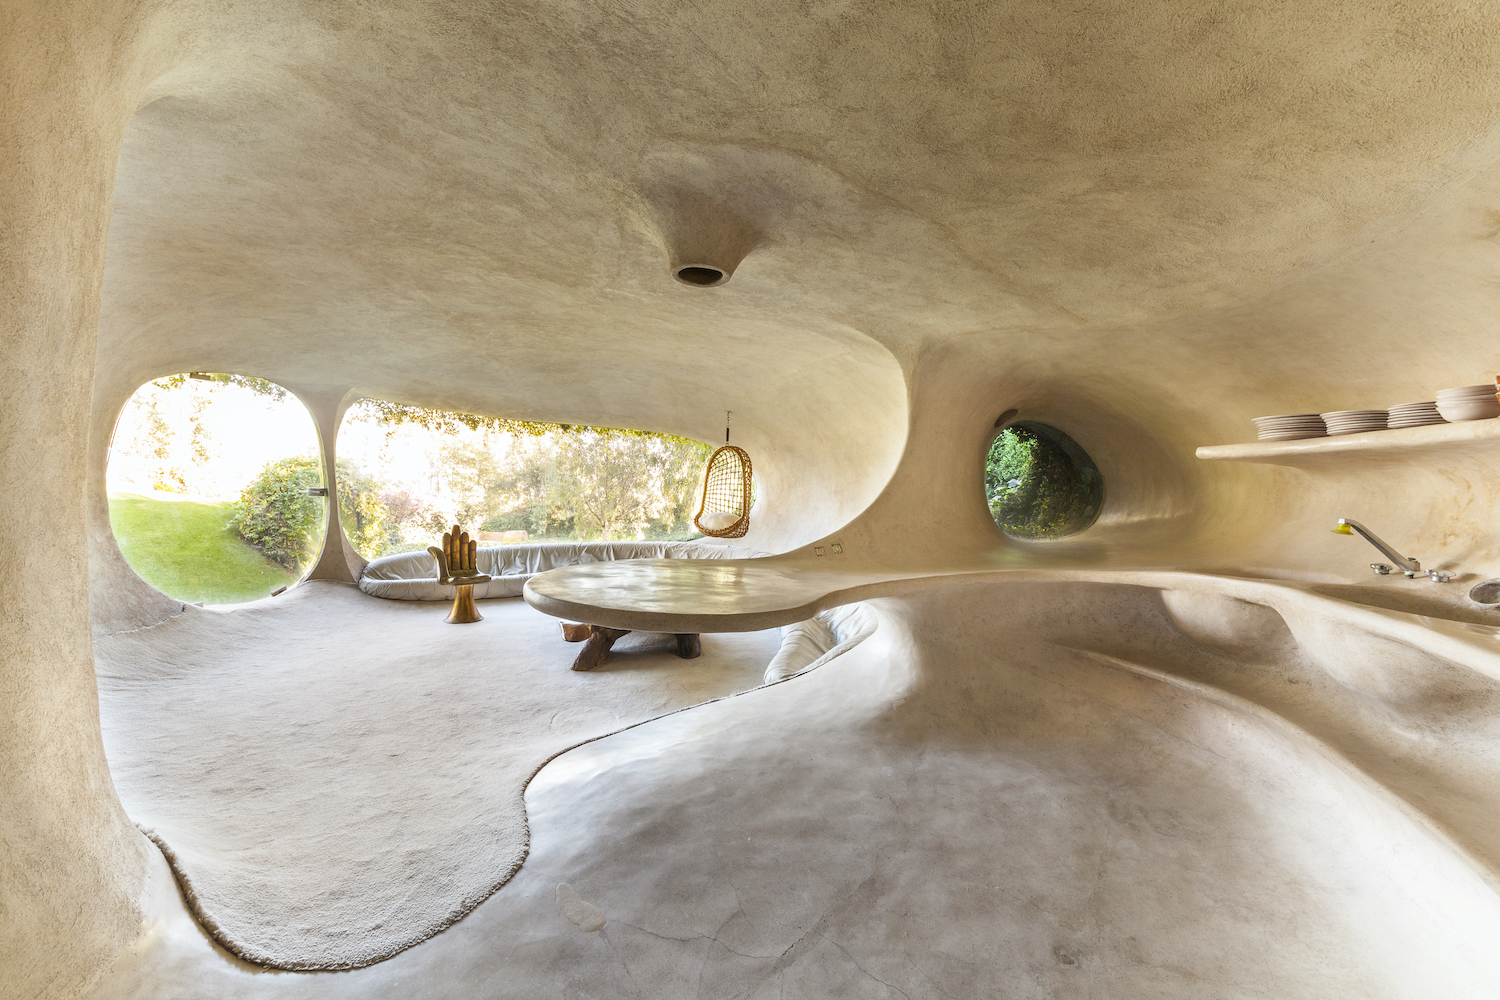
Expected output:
(597, 648)
(464, 611)
(689, 645)
(575, 633)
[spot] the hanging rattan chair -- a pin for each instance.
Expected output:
(726, 491)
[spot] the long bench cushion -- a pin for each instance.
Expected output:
(814, 642)
(412, 576)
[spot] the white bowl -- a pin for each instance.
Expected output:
(1466, 391)
(1481, 409)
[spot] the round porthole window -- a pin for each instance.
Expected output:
(1040, 484)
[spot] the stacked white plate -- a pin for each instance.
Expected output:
(1289, 427)
(1470, 402)
(1413, 415)
(1354, 421)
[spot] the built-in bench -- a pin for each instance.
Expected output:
(412, 576)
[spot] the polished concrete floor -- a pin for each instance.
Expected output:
(337, 777)
(1023, 790)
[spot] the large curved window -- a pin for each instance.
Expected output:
(208, 484)
(1040, 483)
(407, 473)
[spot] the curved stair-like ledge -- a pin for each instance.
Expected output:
(1412, 658)
(747, 595)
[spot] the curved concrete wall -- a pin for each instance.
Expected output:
(1404, 314)
(73, 866)
(1140, 224)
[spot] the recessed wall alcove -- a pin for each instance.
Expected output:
(934, 510)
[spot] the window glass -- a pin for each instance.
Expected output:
(207, 480)
(1040, 483)
(406, 474)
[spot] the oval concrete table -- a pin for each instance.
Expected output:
(747, 595)
(702, 595)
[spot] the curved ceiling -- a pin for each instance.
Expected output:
(474, 206)
(346, 185)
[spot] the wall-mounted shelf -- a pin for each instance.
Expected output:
(1470, 438)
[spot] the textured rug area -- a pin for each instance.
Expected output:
(336, 777)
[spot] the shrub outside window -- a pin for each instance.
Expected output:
(1040, 484)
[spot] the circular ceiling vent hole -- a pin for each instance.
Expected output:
(703, 277)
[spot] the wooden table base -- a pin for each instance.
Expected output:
(598, 640)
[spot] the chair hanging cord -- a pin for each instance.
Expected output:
(726, 426)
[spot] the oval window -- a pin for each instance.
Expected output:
(1040, 484)
(208, 484)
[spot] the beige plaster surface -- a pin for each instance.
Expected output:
(1408, 650)
(734, 595)
(747, 594)
(1015, 788)
(1144, 223)
(71, 866)
(337, 777)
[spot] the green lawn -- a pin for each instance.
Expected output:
(184, 550)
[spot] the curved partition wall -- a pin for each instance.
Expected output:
(1121, 754)
(817, 399)
(933, 512)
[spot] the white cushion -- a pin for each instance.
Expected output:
(717, 520)
(412, 576)
(816, 641)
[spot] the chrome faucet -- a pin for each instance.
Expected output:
(1406, 564)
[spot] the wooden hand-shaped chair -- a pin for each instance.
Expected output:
(457, 567)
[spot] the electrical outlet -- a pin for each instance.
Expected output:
(838, 548)
(817, 550)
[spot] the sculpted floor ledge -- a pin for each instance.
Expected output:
(1163, 785)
